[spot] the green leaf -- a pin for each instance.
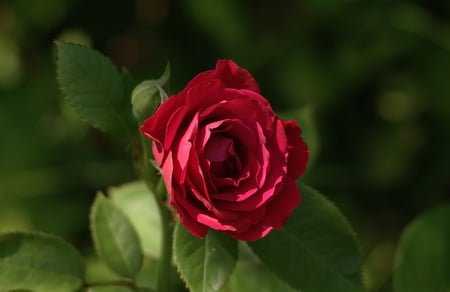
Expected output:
(39, 262)
(115, 238)
(422, 261)
(138, 203)
(254, 278)
(93, 87)
(128, 83)
(111, 288)
(204, 264)
(251, 275)
(316, 250)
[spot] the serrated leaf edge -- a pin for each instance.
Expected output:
(112, 108)
(352, 233)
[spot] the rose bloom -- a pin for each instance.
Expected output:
(228, 162)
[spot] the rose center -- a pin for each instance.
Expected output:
(221, 154)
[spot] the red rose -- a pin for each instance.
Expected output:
(228, 162)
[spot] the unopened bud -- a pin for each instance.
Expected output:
(148, 95)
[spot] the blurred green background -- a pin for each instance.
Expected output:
(371, 78)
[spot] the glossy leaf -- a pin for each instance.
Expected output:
(38, 262)
(205, 264)
(111, 288)
(93, 87)
(422, 262)
(115, 238)
(255, 278)
(138, 203)
(316, 250)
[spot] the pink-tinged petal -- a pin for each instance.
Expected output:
(214, 223)
(192, 208)
(253, 234)
(275, 175)
(234, 195)
(242, 221)
(278, 212)
(235, 103)
(198, 179)
(158, 152)
(259, 198)
(298, 153)
(189, 222)
(228, 182)
(151, 128)
(242, 131)
(280, 141)
(232, 221)
(184, 147)
(200, 196)
(167, 171)
(174, 126)
(264, 164)
(247, 186)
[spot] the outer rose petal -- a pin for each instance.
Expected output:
(151, 128)
(297, 150)
(278, 211)
(231, 75)
(191, 224)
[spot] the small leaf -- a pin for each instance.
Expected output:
(422, 262)
(93, 87)
(115, 238)
(316, 250)
(38, 262)
(204, 264)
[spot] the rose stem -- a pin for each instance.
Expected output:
(165, 261)
(167, 224)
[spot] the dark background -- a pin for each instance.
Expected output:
(373, 76)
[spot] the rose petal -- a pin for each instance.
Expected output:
(188, 221)
(234, 76)
(151, 128)
(297, 150)
(279, 210)
(183, 148)
(230, 74)
(276, 171)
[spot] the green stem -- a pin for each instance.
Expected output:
(167, 224)
(165, 261)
